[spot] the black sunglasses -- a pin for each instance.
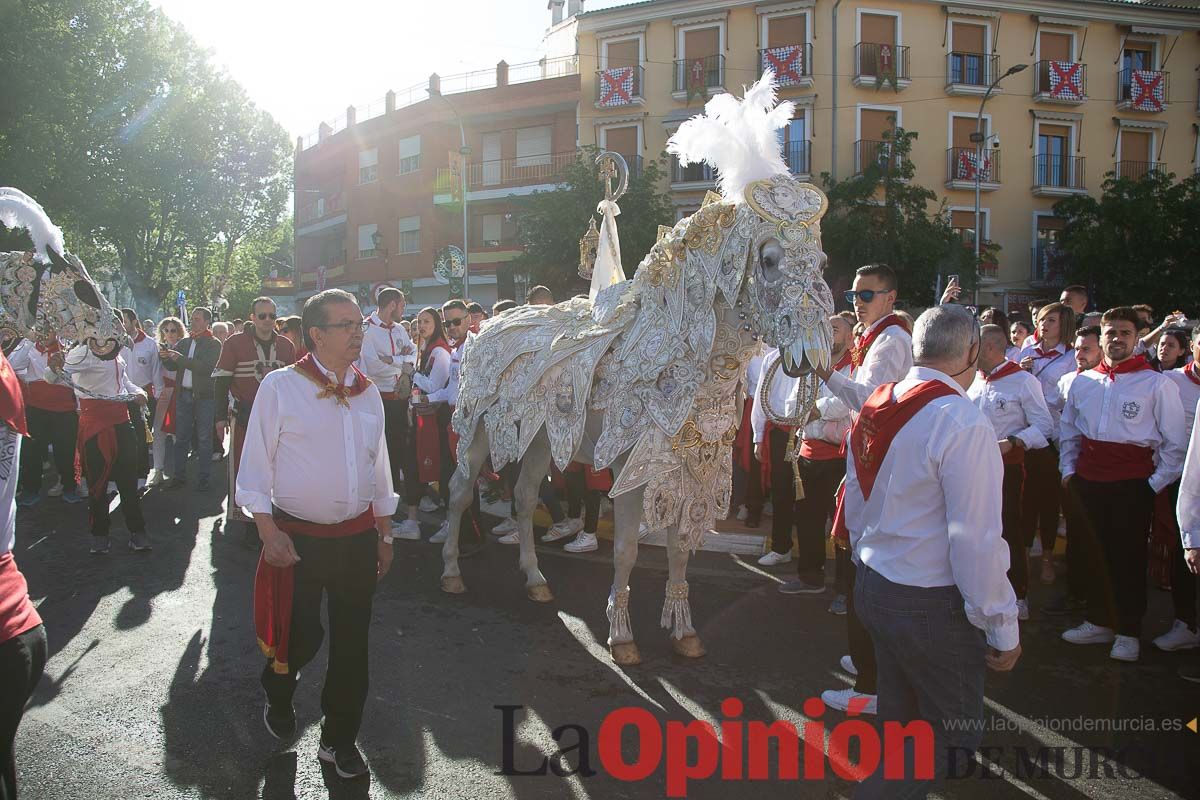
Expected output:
(867, 295)
(264, 315)
(455, 322)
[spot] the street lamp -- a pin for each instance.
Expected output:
(463, 151)
(979, 139)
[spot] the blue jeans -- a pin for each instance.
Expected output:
(931, 667)
(193, 411)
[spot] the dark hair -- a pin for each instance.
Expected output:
(1028, 328)
(247, 327)
(261, 299)
(1075, 288)
(1090, 330)
(205, 311)
(439, 334)
(882, 271)
(292, 324)
(996, 316)
(388, 295)
(314, 313)
(1122, 314)
(502, 306)
(237, 322)
(475, 308)
(454, 305)
(1180, 335)
(129, 313)
(537, 293)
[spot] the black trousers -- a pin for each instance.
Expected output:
(22, 661)
(401, 446)
(1018, 562)
(1040, 500)
(1120, 514)
(343, 569)
(821, 479)
(57, 429)
(123, 473)
(862, 649)
(582, 500)
(783, 493)
(137, 418)
(1183, 582)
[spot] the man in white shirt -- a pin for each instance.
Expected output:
(51, 411)
(389, 359)
(1012, 401)
(315, 476)
(1188, 513)
(457, 320)
(144, 365)
(1122, 441)
(923, 506)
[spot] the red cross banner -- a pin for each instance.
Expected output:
(787, 63)
(616, 86)
(1066, 80)
(966, 167)
(696, 83)
(1147, 90)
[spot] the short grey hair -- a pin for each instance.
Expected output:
(944, 333)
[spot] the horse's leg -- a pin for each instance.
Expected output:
(460, 501)
(535, 464)
(677, 613)
(627, 516)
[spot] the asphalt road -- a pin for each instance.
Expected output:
(151, 690)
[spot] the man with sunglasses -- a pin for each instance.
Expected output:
(246, 358)
(456, 320)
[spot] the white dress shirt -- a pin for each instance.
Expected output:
(102, 378)
(32, 364)
(435, 383)
(1188, 507)
(391, 341)
(1015, 407)
(1189, 395)
(313, 457)
(888, 360)
(933, 518)
(782, 395)
(1140, 408)
(143, 362)
(185, 380)
(450, 393)
(754, 371)
(1048, 369)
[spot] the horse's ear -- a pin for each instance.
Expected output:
(57, 262)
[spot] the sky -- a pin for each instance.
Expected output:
(305, 61)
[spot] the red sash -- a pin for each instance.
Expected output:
(862, 344)
(593, 480)
(49, 396)
(97, 419)
(428, 436)
(819, 449)
(1190, 371)
(743, 443)
(169, 415)
(764, 464)
(1009, 368)
(1113, 461)
(17, 614)
(1135, 364)
(12, 402)
(274, 586)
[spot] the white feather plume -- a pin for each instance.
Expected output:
(19, 210)
(737, 137)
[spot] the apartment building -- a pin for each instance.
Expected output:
(1104, 86)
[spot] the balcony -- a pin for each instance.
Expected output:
(791, 63)
(1136, 170)
(1143, 90)
(963, 168)
(524, 175)
(323, 207)
(1062, 82)
(619, 87)
(693, 176)
(698, 76)
(1047, 265)
(796, 154)
(1057, 175)
(970, 73)
(880, 64)
(870, 151)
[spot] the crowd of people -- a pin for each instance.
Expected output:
(1090, 414)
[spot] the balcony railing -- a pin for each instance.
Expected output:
(791, 63)
(1060, 81)
(870, 151)
(699, 74)
(635, 165)
(963, 164)
(619, 86)
(1052, 171)
(972, 69)
(692, 173)
(508, 172)
(880, 61)
(796, 154)
(1143, 90)
(323, 207)
(1136, 170)
(1047, 265)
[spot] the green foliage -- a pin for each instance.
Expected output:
(555, 221)
(881, 215)
(1138, 243)
(147, 156)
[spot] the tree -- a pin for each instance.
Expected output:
(880, 215)
(1137, 243)
(554, 222)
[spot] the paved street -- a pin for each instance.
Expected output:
(152, 692)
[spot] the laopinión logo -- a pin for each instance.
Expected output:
(738, 751)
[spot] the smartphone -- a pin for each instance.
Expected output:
(953, 279)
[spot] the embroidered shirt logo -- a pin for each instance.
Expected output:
(1130, 410)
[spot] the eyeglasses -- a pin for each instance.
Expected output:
(347, 326)
(266, 315)
(455, 321)
(867, 295)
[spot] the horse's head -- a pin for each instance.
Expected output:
(783, 296)
(71, 303)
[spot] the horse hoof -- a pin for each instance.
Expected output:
(688, 646)
(453, 584)
(625, 654)
(540, 593)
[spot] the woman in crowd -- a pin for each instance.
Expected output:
(434, 462)
(170, 331)
(1172, 351)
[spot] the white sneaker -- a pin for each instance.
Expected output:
(441, 535)
(1022, 610)
(742, 513)
(510, 538)
(506, 525)
(1180, 637)
(841, 699)
(848, 665)
(1125, 648)
(1036, 549)
(429, 505)
(409, 529)
(563, 530)
(772, 559)
(55, 491)
(583, 543)
(1087, 633)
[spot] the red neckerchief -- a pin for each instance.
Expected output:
(881, 419)
(427, 357)
(473, 327)
(387, 326)
(1135, 364)
(341, 393)
(862, 344)
(51, 350)
(207, 333)
(1190, 371)
(12, 402)
(141, 337)
(843, 362)
(1052, 354)
(1009, 368)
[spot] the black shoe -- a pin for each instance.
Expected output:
(280, 720)
(177, 483)
(346, 760)
(1063, 606)
(798, 586)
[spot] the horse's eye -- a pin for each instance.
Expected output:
(87, 294)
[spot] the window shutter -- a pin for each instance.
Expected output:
(368, 158)
(533, 146)
(410, 146)
(366, 234)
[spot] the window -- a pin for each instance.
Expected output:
(410, 234)
(877, 44)
(794, 142)
(491, 233)
(533, 146)
(410, 154)
(968, 61)
(1046, 255)
(962, 222)
(622, 53)
(366, 241)
(368, 165)
(1053, 154)
(623, 140)
(788, 30)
